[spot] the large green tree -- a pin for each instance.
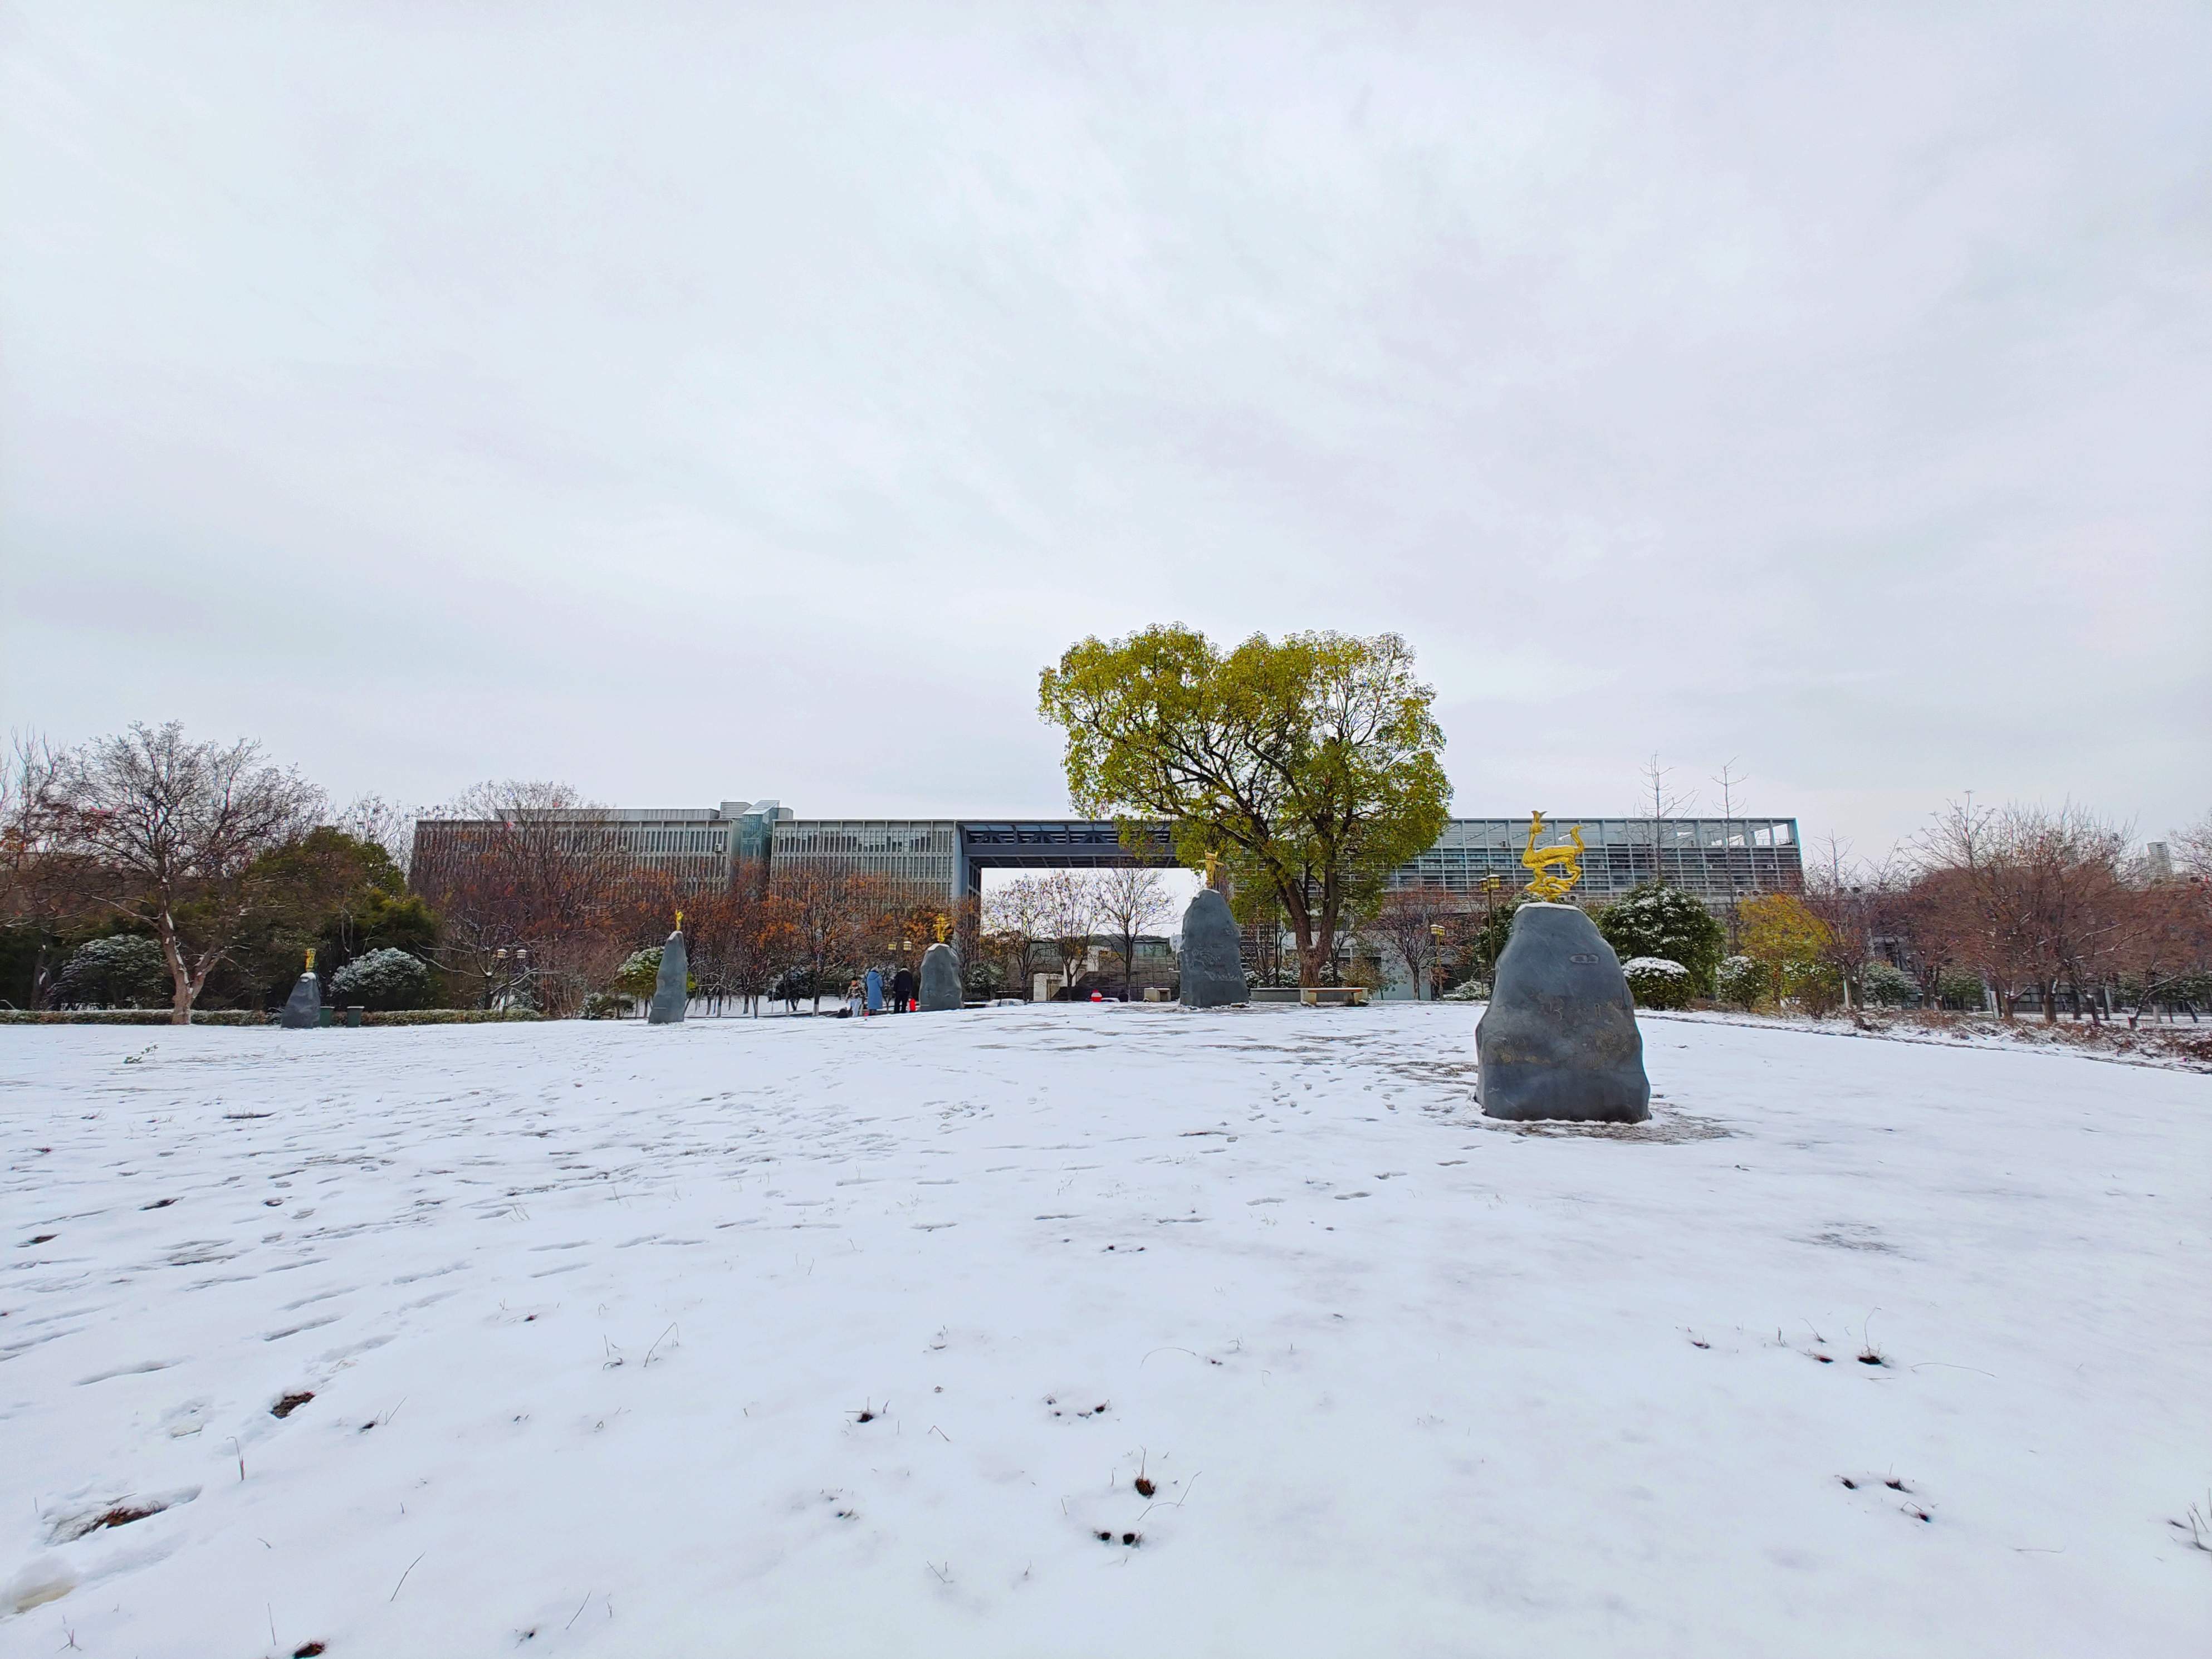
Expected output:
(1310, 767)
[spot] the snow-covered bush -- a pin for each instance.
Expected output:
(1886, 986)
(122, 971)
(639, 973)
(1658, 983)
(606, 1005)
(1469, 990)
(384, 980)
(1741, 981)
(1815, 987)
(451, 1017)
(1666, 922)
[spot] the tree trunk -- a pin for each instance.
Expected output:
(182, 987)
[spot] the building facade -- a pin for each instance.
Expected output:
(1716, 859)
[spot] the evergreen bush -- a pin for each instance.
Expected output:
(1957, 987)
(1886, 986)
(1814, 985)
(384, 980)
(1665, 922)
(123, 970)
(1742, 981)
(1658, 983)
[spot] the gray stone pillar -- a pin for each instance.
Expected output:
(1559, 1039)
(671, 986)
(1212, 959)
(940, 979)
(303, 1009)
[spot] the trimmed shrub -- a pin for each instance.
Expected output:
(383, 980)
(1657, 983)
(129, 1016)
(1813, 985)
(1666, 923)
(606, 1005)
(1955, 988)
(1886, 986)
(1741, 981)
(454, 1017)
(123, 970)
(639, 970)
(1467, 990)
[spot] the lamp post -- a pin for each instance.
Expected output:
(499, 970)
(1857, 946)
(1436, 967)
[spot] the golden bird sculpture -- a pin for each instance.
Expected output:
(1554, 870)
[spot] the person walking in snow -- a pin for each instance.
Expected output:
(875, 990)
(902, 991)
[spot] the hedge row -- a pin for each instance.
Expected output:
(445, 1017)
(247, 1017)
(128, 1016)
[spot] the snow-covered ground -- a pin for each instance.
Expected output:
(811, 1337)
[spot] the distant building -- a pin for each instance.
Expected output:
(1715, 858)
(1718, 860)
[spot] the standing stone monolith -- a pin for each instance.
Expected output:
(672, 992)
(1559, 1039)
(1212, 963)
(940, 978)
(303, 1009)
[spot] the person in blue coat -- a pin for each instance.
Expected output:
(875, 991)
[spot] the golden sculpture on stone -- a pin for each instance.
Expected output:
(944, 927)
(1554, 870)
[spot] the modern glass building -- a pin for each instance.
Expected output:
(1715, 859)
(703, 847)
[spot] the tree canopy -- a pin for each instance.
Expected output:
(1311, 766)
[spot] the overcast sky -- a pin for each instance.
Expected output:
(706, 402)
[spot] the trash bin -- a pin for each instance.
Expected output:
(323, 1014)
(353, 1012)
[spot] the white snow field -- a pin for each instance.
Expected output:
(814, 1337)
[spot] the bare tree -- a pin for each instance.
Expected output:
(377, 821)
(1015, 923)
(1731, 783)
(1665, 802)
(1131, 898)
(2167, 938)
(533, 867)
(41, 885)
(1071, 918)
(736, 937)
(2030, 898)
(1416, 923)
(2192, 849)
(832, 916)
(168, 832)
